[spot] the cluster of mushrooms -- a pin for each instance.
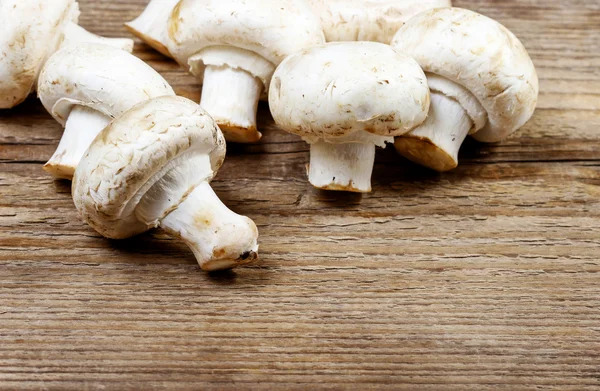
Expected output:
(416, 73)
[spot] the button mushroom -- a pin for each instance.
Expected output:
(151, 168)
(31, 30)
(368, 20)
(481, 77)
(84, 87)
(234, 47)
(151, 25)
(344, 99)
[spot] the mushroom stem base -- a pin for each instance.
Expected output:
(219, 238)
(75, 34)
(341, 167)
(151, 25)
(231, 97)
(435, 144)
(82, 127)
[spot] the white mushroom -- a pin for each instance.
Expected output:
(84, 87)
(481, 77)
(344, 99)
(368, 20)
(234, 47)
(31, 30)
(151, 25)
(151, 168)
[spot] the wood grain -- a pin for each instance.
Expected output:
(487, 277)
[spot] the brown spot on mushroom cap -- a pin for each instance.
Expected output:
(19, 87)
(174, 21)
(20, 40)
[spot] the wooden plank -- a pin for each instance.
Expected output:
(482, 278)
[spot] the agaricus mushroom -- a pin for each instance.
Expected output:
(481, 77)
(234, 47)
(151, 25)
(84, 87)
(344, 99)
(151, 168)
(368, 20)
(30, 31)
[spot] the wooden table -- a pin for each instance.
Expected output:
(487, 277)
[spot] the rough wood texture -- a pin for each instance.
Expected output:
(483, 278)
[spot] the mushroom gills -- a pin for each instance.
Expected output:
(453, 114)
(183, 203)
(82, 127)
(341, 167)
(74, 35)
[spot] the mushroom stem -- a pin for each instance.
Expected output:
(75, 34)
(341, 167)
(82, 127)
(231, 97)
(151, 25)
(435, 144)
(219, 238)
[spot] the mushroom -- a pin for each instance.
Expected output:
(152, 167)
(151, 25)
(368, 20)
(481, 78)
(84, 87)
(31, 30)
(344, 99)
(234, 47)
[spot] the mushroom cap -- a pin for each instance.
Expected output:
(481, 55)
(135, 151)
(272, 29)
(29, 32)
(368, 20)
(97, 76)
(333, 90)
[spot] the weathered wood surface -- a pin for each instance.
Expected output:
(487, 277)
